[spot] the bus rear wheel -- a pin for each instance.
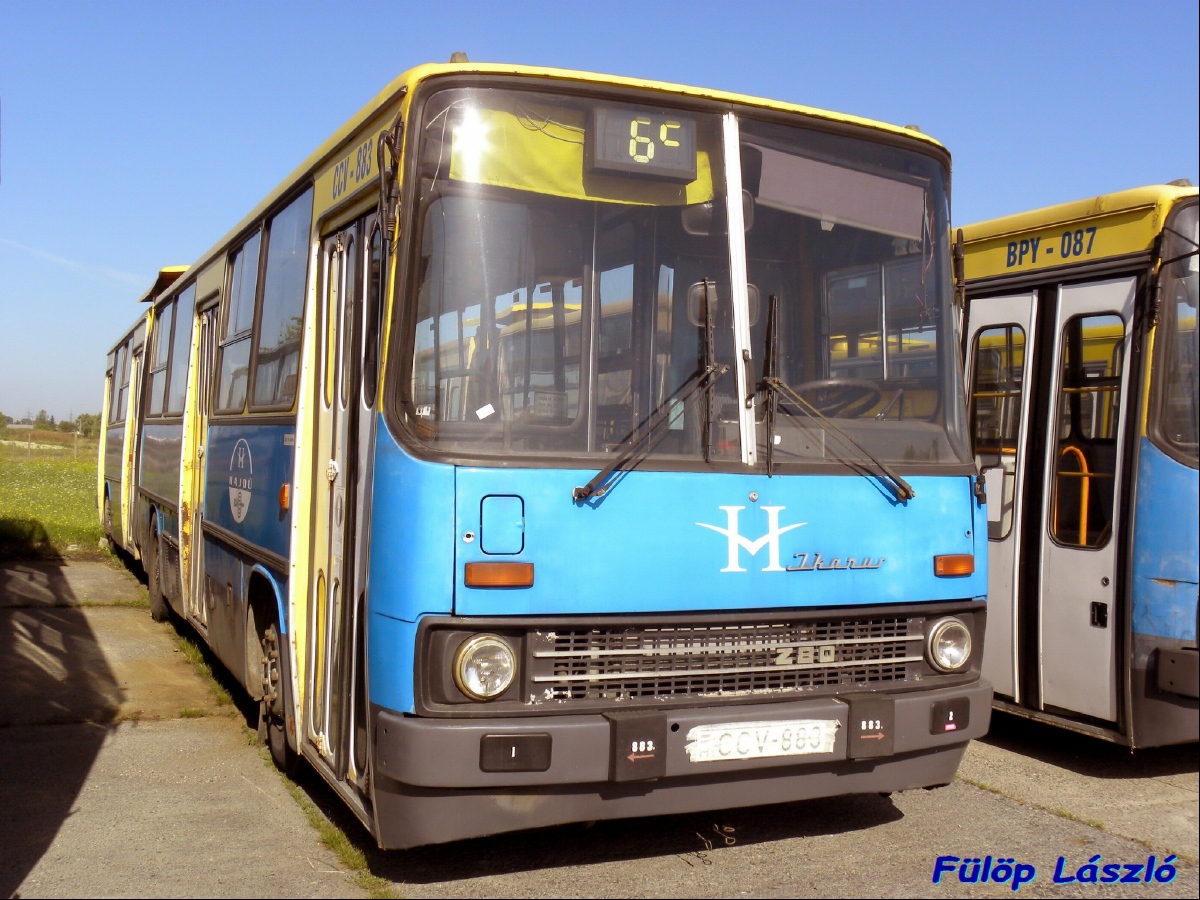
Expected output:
(106, 522)
(272, 709)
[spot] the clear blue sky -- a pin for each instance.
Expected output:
(133, 135)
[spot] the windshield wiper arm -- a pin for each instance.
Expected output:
(901, 488)
(704, 378)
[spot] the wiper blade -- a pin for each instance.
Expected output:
(901, 488)
(702, 379)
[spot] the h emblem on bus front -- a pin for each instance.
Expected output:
(769, 540)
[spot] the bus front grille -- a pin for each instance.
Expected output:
(723, 660)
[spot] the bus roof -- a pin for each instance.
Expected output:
(167, 276)
(407, 82)
(1111, 225)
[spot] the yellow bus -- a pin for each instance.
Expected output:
(1083, 349)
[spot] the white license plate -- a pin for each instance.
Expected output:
(756, 740)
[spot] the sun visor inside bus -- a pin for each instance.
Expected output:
(840, 196)
(546, 156)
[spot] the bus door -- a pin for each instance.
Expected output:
(130, 467)
(1002, 338)
(338, 502)
(196, 604)
(1080, 524)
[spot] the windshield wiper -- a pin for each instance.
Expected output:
(703, 379)
(901, 488)
(774, 388)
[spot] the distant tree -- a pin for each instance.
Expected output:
(88, 425)
(44, 421)
(67, 426)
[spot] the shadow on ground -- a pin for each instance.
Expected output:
(1087, 755)
(58, 703)
(692, 837)
(25, 539)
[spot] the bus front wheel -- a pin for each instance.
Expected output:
(273, 706)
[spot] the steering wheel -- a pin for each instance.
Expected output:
(837, 396)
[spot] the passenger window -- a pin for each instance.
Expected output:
(1089, 406)
(997, 397)
(162, 352)
(117, 357)
(278, 358)
(239, 320)
(181, 350)
(122, 379)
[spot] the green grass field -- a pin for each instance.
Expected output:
(48, 502)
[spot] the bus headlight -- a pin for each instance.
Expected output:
(484, 667)
(949, 645)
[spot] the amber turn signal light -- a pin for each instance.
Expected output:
(954, 564)
(499, 574)
(285, 498)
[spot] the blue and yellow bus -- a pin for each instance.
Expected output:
(553, 446)
(1082, 329)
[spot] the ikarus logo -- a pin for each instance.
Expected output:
(737, 543)
(804, 561)
(241, 480)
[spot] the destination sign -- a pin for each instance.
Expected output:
(1068, 243)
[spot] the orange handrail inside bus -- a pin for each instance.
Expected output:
(1085, 476)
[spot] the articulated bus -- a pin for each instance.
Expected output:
(1082, 364)
(553, 446)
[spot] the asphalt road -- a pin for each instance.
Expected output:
(108, 788)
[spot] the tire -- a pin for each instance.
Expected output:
(106, 521)
(159, 610)
(272, 710)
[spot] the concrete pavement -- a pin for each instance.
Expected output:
(121, 774)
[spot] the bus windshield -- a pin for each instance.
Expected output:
(573, 278)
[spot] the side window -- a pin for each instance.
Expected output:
(181, 349)
(278, 353)
(159, 359)
(1177, 368)
(997, 397)
(239, 320)
(114, 366)
(1176, 406)
(1089, 405)
(121, 381)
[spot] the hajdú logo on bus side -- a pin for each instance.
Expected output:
(241, 480)
(809, 562)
